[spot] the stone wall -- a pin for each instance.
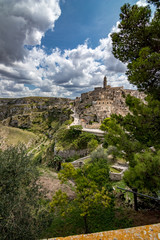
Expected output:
(147, 232)
(71, 153)
(115, 176)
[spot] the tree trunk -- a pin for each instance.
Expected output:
(85, 224)
(59, 166)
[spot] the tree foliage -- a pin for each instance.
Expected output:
(137, 44)
(92, 144)
(143, 121)
(144, 72)
(57, 161)
(21, 213)
(99, 155)
(75, 138)
(74, 132)
(156, 2)
(82, 141)
(132, 35)
(116, 136)
(91, 189)
(145, 175)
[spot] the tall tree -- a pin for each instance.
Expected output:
(143, 121)
(21, 214)
(116, 135)
(91, 190)
(145, 175)
(137, 44)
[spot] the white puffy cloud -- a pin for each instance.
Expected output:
(24, 23)
(64, 74)
(33, 72)
(142, 3)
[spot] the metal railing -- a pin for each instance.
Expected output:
(135, 193)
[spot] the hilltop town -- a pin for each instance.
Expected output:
(91, 108)
(94, 106)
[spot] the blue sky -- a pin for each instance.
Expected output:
(58, 47)
(83, 19)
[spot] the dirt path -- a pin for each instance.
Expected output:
(50, 183)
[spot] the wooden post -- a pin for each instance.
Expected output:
(135, 199)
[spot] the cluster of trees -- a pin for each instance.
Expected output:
(137, 135)
(72, 138)
(75, 138)
(23, 214)
(79, 139)
(137, 44)
(91, 185)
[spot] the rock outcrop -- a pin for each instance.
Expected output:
(23, 112)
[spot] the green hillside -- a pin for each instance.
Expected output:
(13, 136)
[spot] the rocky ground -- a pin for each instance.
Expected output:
(50, 183)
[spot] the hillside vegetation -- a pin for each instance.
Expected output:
(13, 136)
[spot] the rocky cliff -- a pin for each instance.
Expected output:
(25, 112)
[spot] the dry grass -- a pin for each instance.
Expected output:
(13, 136)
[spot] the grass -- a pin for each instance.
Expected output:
(13, 136)
(87, 160)
(112, 169)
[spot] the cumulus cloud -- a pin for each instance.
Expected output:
(31, 71)
(24, 23)
(64, 74)
(142, 3)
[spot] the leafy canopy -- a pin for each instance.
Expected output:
(124, 142)
(145, 175)
(143, 121)
(91, 185)
(137, 44)
(22, 216)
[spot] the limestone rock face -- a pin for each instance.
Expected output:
(23, 112)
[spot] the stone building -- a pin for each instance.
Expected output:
(96, 105)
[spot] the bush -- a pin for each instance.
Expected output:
(99, 155)
(82, 141)
(145, 174)
(92, 144)
(22, 216)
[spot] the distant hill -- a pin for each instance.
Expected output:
(32, 121)
(24, 112)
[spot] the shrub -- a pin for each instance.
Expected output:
(22, 216)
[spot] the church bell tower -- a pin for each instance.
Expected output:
(105, 82)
